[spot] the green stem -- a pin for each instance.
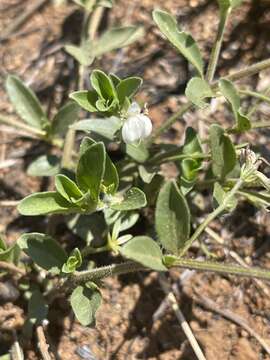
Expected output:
(18, 124)
(130, 266)
(248, 71)
(217, 47)
(88, 250)
(261, 125)
(212, 216)
(223, 268)
(256, 95)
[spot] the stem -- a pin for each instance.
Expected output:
(248, 71)
(18, 124)
(129, 267)
(256, 95)
(90, 29)
(223, 268)
(212, 216)
(90, 250)
(105, 271)
(217, 47)
(261, 125)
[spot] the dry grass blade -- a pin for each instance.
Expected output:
(180, 317)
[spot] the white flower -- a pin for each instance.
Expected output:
(137, 127)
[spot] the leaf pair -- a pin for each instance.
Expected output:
(109, 93)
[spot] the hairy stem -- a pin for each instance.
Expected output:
(217, 47)
(130, 266)
(212, 216)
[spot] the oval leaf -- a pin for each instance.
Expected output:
(172, 218)
(105, 127)
(43, 203)
(133, 199)
(65, 117)
(85, 303)
(91, 169)
(25, 103)
(222, 152)
(117, 38)
(44, 165)
(67, 188)
(197, 90)
(43, 250)
(145, 251)
(181, 40)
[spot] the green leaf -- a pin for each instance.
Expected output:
(73, 262)
(44, 165)
(37, 308)
(219, 195)
(116, 38)
(180, 39)
(103, 85)
(86, 99)
(43, 250)
(172, 218)
(139, 152)
(105, 127)
(83, 53)
(222, 152)
(128, 88)
(145, 174)
(227, 5)
(133, 199)
(192, 144)
(230, 93)
(67, 188)
(85, 303)
(8, 254)
(88, 5)
(43, 203)
(25, 103)
(65, 117)
(145, 251)
(190, 166)
(197, 90)
(128, 220)
(90, 169)
(110, 179)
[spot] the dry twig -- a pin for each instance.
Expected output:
(42, 343)
(180, 317)
(12, 268)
